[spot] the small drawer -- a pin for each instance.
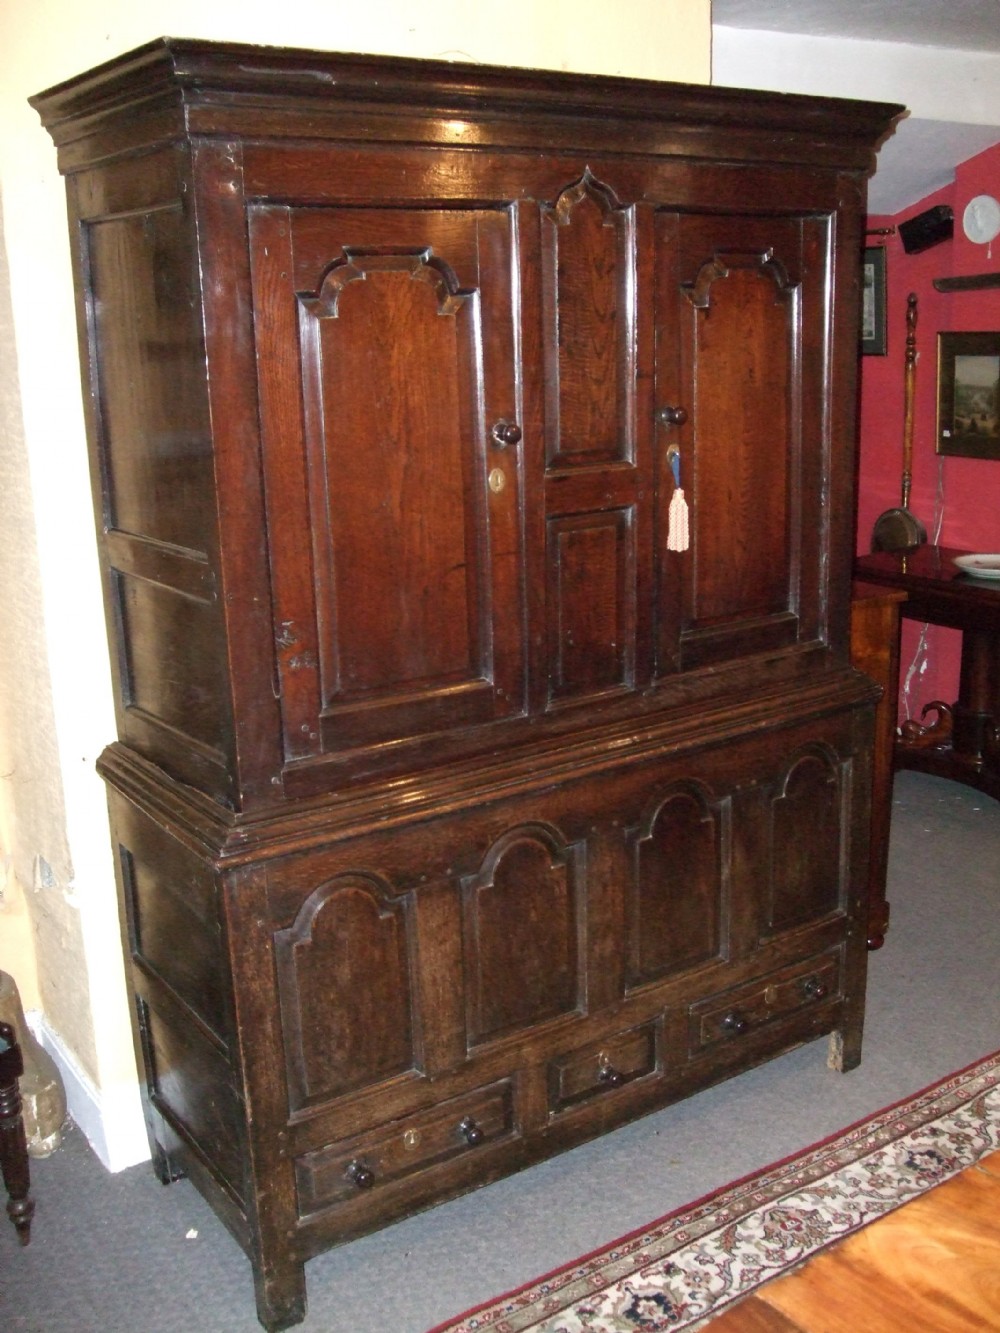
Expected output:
(355, 1166)
(597, 1069)
(736, 1013)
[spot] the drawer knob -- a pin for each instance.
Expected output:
(506, 432)
(672, 416)
(734, 1023)
(609, 1075)
(472, 1131)
(360, 1175)
(815, 989)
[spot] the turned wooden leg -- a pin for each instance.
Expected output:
(13, 1144)
(977, 694)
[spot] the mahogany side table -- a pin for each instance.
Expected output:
(962, 742)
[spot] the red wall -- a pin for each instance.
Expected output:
(963, 494)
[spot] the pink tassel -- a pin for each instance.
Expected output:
(678, 536)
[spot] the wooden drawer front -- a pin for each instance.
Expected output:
(737, 1013)
(598, 1069)
(363, 1163)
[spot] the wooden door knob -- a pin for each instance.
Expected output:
(360, 1175)
(505, 433)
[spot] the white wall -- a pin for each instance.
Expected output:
(953, 97)
(55, 706)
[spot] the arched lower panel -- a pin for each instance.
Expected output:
(523, 933)
(344, 981)
(590, 583)
(679, 889)
(806, 835)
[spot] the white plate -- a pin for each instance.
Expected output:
(980, 566)
(981, 219)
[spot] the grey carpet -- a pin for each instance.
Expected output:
(113, 1253)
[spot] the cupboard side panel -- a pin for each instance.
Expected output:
(153, 463)
(182, 994)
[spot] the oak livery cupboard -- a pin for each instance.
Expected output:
(467, 803)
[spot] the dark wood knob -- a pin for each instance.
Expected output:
(506, 432)
(814, 989)
(610, 1076)
(360, 1175)
(471, 1130)
(672, 416)
(735, 1023)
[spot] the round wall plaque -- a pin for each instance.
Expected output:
(981, 219)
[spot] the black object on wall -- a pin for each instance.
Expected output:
(926, 229)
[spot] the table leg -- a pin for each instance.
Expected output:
(13, 1144)
(974, 716)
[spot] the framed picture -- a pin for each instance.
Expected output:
(873, 301)
(969, 394)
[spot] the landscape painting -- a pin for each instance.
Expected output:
(969, 394)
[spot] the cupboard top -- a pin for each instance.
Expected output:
(171, 88)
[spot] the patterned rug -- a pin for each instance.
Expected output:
(684, 1269)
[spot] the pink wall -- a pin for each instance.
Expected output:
(964, 492)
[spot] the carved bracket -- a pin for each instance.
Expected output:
(354, 264)
(721, 265)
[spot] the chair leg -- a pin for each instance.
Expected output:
(13, 1144)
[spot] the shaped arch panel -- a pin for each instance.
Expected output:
(345, 985)
(808, 872)
(678, 895)
(523, 929)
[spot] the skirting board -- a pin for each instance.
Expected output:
(111, 1120)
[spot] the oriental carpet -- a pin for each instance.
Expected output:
(687, 1267)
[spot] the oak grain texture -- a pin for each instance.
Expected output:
(455, 815)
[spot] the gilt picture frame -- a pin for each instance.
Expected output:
(968, 421)
(873, 301)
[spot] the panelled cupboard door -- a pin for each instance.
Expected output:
(594, 364)
(407, 521)
(741, 318)
(679, 351)
(385, 361)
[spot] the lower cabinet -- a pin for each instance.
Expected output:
(347, 1014)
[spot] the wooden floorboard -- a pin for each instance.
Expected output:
(932, 1266)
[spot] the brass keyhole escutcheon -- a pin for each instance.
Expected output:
(411, 1139)
(771, 995)
(498, 480)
